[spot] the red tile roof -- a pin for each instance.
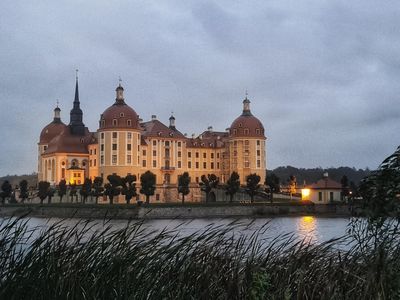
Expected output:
(325, 183)
(155, 128)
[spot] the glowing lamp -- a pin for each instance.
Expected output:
(305, 194)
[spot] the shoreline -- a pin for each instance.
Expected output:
(175, 210)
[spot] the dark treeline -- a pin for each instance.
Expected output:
(314, 174)
(14, 180)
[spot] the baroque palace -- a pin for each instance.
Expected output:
(125, 144)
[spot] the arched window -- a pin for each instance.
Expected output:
(129, 122)
(121, 115)
(103, 123)
(114, 122)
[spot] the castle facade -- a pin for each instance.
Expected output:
(125, 144)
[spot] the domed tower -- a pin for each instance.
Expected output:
(247, 151)
(49, 132)
(119, 138)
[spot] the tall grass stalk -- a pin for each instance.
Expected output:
(85, 262)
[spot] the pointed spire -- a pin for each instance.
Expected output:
(76, 88)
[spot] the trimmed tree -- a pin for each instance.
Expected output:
(72, 191)
(6, 190)
(97, 188)
(113, 188)
(252, 185)
(23, 189)
(62, 189)
(43, 192)
(50, 194)
(273, 183)
(86, 189)
(129, 187)
(183, 185)
(208, 183)
(148, 185)
(232, 185)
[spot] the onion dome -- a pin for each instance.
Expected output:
(119, 115)
(53, 129)
(246, 125)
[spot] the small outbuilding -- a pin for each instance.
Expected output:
(324, 191)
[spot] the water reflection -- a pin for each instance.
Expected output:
(307, 228)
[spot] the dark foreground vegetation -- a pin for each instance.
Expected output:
(64, 262)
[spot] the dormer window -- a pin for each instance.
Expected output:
(171, 134)
(129, 123)
(159, 133)
(114, 122)
(240, 125)
(234, 131)
(258, 131)
(246, 131)
(82, 140)
(121, 115)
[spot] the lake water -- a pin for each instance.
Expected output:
(316, 229)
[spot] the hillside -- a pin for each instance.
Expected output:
(312, 175)
(15, 179)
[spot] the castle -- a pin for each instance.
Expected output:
(125, 144)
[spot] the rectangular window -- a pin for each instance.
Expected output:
(129, 135)
(258, 163)
(179, 164)
(189, 154)
(197, 179)
(319, 196)
(166, 143)
(217, 155)
(154, 153)
(94, 162)
(154, 143)
(258, 142)
(90, 152)
(114, 146)
(102, 160)
(212, 165)
(197, 154)
(144, 152)
(179, 144)
(144, 163)
(102, 135)
(114, 135)
(212, 155)
(129, 147)
(179, 154)
(90, 163)
(330, 196)
(114, 159)
(154, 163)
(247, 164)
(95, 151)
(258, 152)
(204, 155)
(204, 165)
(129, 159)
(197, 164)
(217, 165)
(102, 147)
(157, 197)
(189, 164)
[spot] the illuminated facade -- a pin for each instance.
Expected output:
(125, 144)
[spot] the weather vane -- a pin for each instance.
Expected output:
(119, 80)
(76, 73)
(246, 93)
(57, 102)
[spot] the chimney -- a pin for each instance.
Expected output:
(210, 128)
(325, 175)
(153, 117)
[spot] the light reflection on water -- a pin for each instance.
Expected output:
(312, 229)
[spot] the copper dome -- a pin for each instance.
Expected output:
(50, 131)
(247, 125)
(119, 115)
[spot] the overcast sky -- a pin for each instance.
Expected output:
(322, 76)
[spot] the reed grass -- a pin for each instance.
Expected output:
(85, 262)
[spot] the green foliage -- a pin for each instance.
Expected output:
(208, 183)
(23, 189)
(381, 190)
(252, 185)
(97, 188)
(86, 189)
(148, 185)
(232, 185)
(113, 188)
(43, 192)
(129, 187)
(62, 189)
(183, 185)
(273, 183)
